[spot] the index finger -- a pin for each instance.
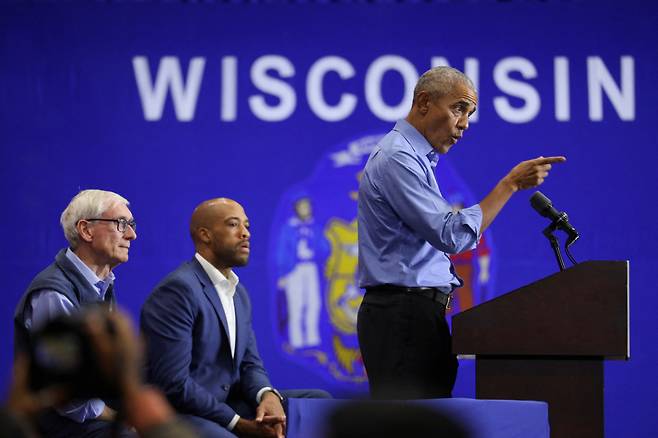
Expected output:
(260, 413)
(550, 160)
(273, 419)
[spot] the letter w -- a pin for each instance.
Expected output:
(169, 76)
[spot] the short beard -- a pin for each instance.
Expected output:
(238, 261)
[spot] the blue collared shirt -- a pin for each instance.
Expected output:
(406, 228)
(48, 304)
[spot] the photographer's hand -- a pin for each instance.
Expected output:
(108, 414)
(23, 404)
(22, 400)
(117, 349)
(119, 354)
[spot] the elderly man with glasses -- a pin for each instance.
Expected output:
(99, 228)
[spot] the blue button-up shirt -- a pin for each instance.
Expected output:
(406, 228)
(44, 306)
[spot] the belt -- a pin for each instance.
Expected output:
(433, 293)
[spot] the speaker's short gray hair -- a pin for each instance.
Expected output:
(439, 81)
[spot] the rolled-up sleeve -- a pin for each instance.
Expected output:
(419, 205)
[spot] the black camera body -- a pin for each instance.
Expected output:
(61, 354)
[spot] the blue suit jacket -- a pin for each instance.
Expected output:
(188, 351)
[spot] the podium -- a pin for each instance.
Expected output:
(548, 340)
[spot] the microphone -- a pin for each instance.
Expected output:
(559, 219)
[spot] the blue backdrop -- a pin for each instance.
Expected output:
(172, 104)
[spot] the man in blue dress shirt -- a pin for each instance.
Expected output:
(100, 229)
(407, 229)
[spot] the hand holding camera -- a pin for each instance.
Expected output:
(91, 354)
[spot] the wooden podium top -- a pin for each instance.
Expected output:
(582, 311)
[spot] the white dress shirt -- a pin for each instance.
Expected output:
(225, 288)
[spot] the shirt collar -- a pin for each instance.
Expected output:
(417, 141)
(226, 285)
(88, 274)
(433, 156)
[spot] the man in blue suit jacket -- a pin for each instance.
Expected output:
(201, 348)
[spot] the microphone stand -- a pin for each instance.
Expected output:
(567, 244)
(559, 220)
(548, 232)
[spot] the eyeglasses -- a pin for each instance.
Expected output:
(122, 223)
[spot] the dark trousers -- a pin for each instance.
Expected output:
(52, 425)
(406, 347)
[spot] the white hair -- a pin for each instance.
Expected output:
(86, 205)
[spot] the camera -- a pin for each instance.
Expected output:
(62, 354)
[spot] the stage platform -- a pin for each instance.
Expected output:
(307, 418)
